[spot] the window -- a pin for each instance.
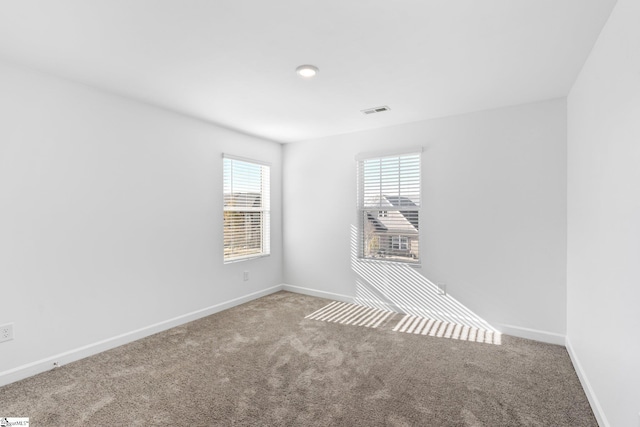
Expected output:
(246, 209)
(400, 243)
(389, 207)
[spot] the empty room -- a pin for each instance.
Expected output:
(320, 213)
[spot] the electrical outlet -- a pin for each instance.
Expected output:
(6, 332)
(245, 276)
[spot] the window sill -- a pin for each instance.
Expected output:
(245, 258)
(416, 264)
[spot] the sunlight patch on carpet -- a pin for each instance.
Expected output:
(370, 317)
(352, 314)
(438, 328)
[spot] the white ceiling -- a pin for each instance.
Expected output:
(233, 62)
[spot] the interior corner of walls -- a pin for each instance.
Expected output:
(531, 334)
(586, 385)
(317, 293)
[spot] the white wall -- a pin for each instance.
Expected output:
(494, 217)
(603, 313)
(111, 217)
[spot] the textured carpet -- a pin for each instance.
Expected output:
(264, 364)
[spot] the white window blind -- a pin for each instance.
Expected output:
(389, 207)
(246, 209)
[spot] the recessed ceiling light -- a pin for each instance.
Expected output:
(307, 71)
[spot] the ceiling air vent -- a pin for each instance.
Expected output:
(376, 110)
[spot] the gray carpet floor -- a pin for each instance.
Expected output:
(264, 364)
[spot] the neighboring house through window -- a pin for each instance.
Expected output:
(246, 209)
(389, 207)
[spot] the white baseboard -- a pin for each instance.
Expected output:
(30, 369)
(517, 331)
(531, 334)
(46, 364)
(316, 293)
(586, 385)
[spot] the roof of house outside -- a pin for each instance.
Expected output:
(396, 220)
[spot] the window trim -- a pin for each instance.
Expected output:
(381, 154)
(265, 209)
(245, 159)
(362, 209)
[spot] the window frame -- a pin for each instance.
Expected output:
(367, 211)
(263, 210)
